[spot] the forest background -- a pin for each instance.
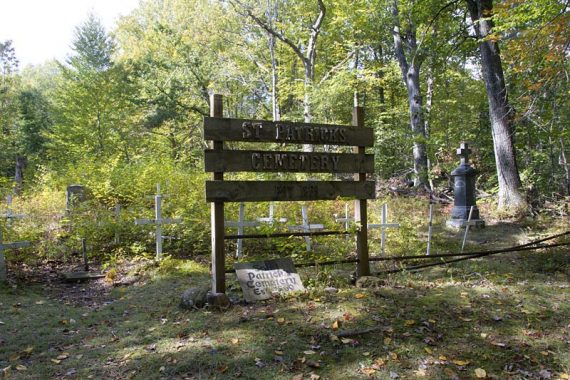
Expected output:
(124, 111)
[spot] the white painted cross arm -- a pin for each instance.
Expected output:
(140, 222)
(385, 225)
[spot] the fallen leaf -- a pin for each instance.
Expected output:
(346, 340)
(314, 376)
(280, 353)
(460, 362)
(394, 375)
(235, 341)
(442, 358)
(63, 356)
(428, 350)
(71, 372)
(484, 335)
(465, 319)
(387, 340)
(409, 322)
(421, 373)
(480, 373)
(309, 352)
(359, 295)
(564, 376)
(41, 302)
(368, 371)
(366, 354)
(21, 367)
(281, 320)
(333, 338)
(393, 356)
(298, 377)
(335, 325)
(56, 361)
(14, 357)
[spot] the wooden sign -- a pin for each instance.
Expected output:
(261, 279)
(219, 161)
(220, 129)
(280, 161)
(260, 191)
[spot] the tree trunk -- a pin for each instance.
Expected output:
(411, 76)
(511, 199)
(21, 163)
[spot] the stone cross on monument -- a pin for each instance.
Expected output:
(463, 152)
(158, 221)
(9, 215)
(465, 209)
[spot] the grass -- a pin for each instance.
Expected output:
(506, 315)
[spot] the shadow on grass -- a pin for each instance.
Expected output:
(507, 315)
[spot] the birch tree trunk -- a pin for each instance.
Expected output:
(511, 200)
(411, 75)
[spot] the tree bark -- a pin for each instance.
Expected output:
(511, 199)
(21, 163)
(411, 76)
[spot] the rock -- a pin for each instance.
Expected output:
(218, 300)
(369, 282)
(330, 289)
(194, 298)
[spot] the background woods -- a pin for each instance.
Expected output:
(125, 109)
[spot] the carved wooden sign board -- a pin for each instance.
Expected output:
(219, 160)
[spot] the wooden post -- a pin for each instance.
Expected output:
(217, 213)
(360, 207)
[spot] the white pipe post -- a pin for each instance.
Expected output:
(430, 224)
(467, 228)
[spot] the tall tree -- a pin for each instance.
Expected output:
(307, 52)
(511, 198)
(410, 59)
(9, 84)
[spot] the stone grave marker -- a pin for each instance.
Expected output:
(158, 221)
(261, 279)
(464, 193)
(307, 227)
(73, 195)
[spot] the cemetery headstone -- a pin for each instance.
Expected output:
(260, 280)
(307, 227)
(464, 192)
(158, 221)
(74, 195)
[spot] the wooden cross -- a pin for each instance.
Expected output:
(382, 226)
(270, 219)
(240, 224)
(463, 151)
(307, 227)
(346, 220)
(9, 214)
(158, 221)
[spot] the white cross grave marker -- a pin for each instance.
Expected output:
(346, 220)
(271, 219)
(430, 228)
(240, 224)
(9, 214)
(382, 226)
(467, 224)
(306, 227)
(117, 220)
(158, 221)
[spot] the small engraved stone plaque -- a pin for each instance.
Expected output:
(259, 280)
